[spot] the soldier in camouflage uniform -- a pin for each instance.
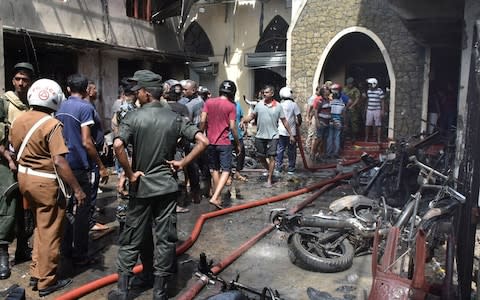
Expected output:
(354, 109)
(12, 104)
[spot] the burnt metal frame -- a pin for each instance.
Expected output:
(469, 175)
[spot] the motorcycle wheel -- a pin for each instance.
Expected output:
(305, 252)
(250, 163)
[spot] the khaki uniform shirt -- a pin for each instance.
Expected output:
(46, 141)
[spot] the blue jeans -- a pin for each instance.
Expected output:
(284, 144)
(333, 140)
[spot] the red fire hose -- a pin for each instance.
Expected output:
(195, 289)
(109, 279)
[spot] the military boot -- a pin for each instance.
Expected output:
(4, 262)
(160, 288)
(142, 281)
(121, 293)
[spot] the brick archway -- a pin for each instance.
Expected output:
(386, 58)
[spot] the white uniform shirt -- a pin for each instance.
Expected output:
(290, 110)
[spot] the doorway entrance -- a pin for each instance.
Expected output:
(359, 53)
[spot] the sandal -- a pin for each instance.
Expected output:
(122, 192)
(217, 205)
(241, 178)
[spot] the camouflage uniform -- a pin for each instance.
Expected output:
(11, 209)
(355, 114)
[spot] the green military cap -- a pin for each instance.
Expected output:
(145, 75)
(146, 78)
(24, 66)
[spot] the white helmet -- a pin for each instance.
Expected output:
(286, 93)
(373, 82)
(45, 93)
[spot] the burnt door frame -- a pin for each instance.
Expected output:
(469, 174)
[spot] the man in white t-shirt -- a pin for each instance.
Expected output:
(294, 119)
(375, 108)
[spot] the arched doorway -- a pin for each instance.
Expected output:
(196, 42)
(358, 52)
(272, 70)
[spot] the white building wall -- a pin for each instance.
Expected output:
(235, 27)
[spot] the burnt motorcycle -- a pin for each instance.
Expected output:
(328, 241)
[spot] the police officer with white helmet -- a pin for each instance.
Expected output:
(39, 147)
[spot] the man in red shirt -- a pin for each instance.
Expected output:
(218, 119)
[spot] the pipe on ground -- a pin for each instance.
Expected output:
(195, 289)
(112, 278)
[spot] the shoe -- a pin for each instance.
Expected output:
(314, 294)
(160, 288)
(60, 284)
(182, 209)
(121, 293)
(291, 172)
(33, 283)
(4, 263)
(141, 282)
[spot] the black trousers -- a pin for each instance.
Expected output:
(136, 237)
(77, 225)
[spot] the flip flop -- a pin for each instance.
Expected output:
(218, 206)
(241, 178)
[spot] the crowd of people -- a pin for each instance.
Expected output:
(335, 113)
(52, 146)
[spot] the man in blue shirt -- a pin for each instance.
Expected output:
(77, 116)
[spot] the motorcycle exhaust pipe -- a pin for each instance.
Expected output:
(326, 223)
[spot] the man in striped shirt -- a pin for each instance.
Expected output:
(375, 108)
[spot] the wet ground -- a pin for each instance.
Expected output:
(265, 264)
